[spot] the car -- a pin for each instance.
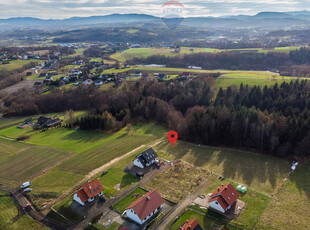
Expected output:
(104, 173)
(202, 196)
(25, 185)
(27, 190)
(102, 199)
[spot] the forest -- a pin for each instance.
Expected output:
(275, 120)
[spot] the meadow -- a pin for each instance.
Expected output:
(78, 153)
(146, 52)
(10, 219)
(20, 162)
(262, 172)
(290, 207)
(16, 64)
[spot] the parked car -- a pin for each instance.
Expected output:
(27, 190)
(25, 185)
(104, 173)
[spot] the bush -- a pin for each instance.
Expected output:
(22, 138)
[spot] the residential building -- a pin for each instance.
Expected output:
(141, 210)
(88, 192)
(223, 198)
(146, 159)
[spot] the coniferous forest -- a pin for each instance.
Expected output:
(273, 119)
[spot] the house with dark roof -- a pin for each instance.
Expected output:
(191, 225)
(141, 210)
(145, 159)
(223, 198)
(88, 192)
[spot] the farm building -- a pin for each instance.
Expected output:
(88, 192)
(141, 210)
(223, 198)
(145, 159)
(191, 225)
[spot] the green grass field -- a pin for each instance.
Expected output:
(225, 82)
(146, 52)
(127, 200)
(16, 64)
(290, 208)
(263, 173)
(20, 162)
(11, 220)
(93, 149)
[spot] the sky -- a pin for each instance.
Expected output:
(59, 9)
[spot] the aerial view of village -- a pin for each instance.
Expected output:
(169, 115)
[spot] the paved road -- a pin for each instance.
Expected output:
(184, 204)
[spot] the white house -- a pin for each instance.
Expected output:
(141, 210)
(146, 158)
(88, 82)
(88, 192)
(223, 198)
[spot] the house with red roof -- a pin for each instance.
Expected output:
(191, 225)
(141, 210)
(223, 198)
(88, 192)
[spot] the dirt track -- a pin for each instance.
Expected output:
(22, 201)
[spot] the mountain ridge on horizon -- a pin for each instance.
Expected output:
(267, 19)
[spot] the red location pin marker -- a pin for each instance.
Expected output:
(172, 137)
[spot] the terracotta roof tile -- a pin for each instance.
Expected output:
(221, 201)
(228, 192)
(90, 190)
(146, 204)
(190, 225)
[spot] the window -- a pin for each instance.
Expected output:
(216, 202)
(90, 192)
(233, 193)
(94, 190)
(228, 198)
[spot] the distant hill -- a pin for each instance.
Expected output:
(263, 19)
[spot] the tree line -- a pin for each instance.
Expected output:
(273, 119)
(234, 60)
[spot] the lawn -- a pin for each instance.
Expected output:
(16, 64)
(204, 221)
(263, 173)
(116, 179)
(290, 208)
(11, 220)
(127, 200)
(256, 203)
(20, 162)
(64, 208)
(182, 178)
